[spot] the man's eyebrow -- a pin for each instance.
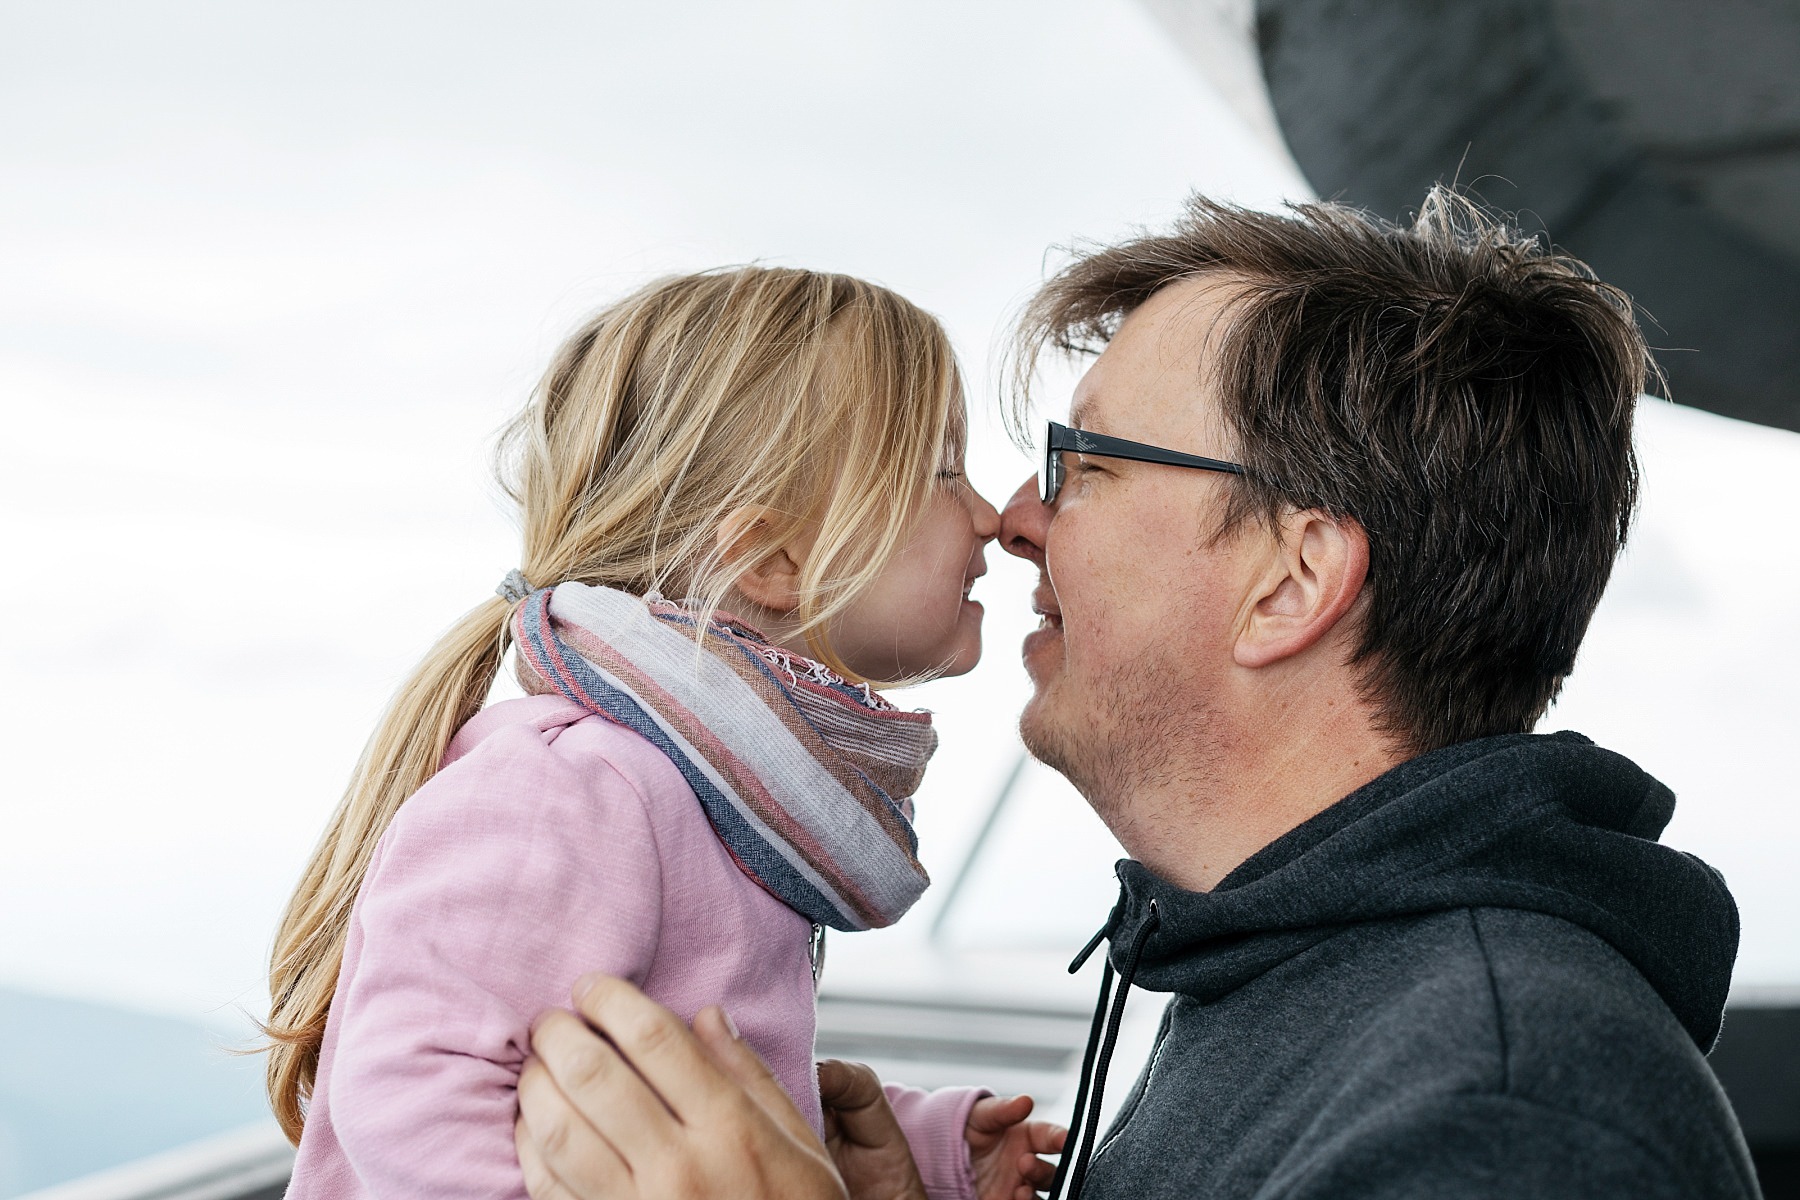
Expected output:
(1081, 414)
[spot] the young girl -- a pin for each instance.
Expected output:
(693, 790)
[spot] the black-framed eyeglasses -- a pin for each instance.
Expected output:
(1061, 438)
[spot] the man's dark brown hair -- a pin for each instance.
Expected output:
(1459, 390)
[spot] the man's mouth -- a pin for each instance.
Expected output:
(1048, 636)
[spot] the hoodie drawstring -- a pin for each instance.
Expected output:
(1093, 1073)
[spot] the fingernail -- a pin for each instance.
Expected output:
(730, 1026)
(583, 986)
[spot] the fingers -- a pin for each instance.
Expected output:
(600, 1085)
(734, 1057)
(995, 1114)
(1036, 1171)
(654, 1042)
(866, 1143)
(1045, 1138)
(637, 1106)
(555, 1142)
(845, 1085)
(540, 1181)
(852, 1093)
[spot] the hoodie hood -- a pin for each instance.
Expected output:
(1550, 824)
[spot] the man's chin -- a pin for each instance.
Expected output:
(1067, 751)
(1040, 735)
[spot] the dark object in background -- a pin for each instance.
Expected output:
(1658, 140)
(1758, 1061)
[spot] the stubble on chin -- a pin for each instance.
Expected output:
(1132, 736)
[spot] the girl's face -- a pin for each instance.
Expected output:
(917, 618)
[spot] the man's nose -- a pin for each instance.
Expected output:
(1024, 522)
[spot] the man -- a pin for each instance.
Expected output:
(1338, 504)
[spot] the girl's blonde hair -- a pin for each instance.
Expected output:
(829, 402)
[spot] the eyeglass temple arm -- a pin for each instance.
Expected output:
(1103, 446)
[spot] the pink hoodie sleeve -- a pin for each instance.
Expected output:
(499, 883)
(934, 1124)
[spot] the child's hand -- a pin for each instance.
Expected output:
(1004, 1148)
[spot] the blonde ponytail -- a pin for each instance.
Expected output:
(444, 691)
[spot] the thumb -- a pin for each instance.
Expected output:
(851, 1086)
(719, 1036)
(852, 1093)
(996, 1114)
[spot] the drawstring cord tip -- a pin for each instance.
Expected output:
(1103, 1036)
(1087, 951)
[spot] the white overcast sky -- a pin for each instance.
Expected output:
(273, 273)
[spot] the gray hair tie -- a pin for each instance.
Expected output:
(514, 587)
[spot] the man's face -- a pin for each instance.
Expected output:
(1140, 607)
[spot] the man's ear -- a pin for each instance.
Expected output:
(768, 574)
(1315, 576)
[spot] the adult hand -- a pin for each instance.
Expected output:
(647, 1109)
(864, 1139)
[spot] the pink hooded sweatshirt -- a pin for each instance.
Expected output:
(552, 843)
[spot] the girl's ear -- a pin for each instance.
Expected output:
(768, 574)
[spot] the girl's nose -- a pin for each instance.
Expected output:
(1024, 522)
(986, 518)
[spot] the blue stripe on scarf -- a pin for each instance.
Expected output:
(593, 692)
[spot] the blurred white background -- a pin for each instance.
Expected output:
(274, 273)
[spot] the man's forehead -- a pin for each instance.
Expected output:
(1152, 375)
(1180, 320)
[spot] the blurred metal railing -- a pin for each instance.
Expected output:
(1012, 1049)
(936, 1043)
(246, 1164)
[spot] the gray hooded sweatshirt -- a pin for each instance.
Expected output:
(1477, 976)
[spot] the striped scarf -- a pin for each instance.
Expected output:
(807, 779)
